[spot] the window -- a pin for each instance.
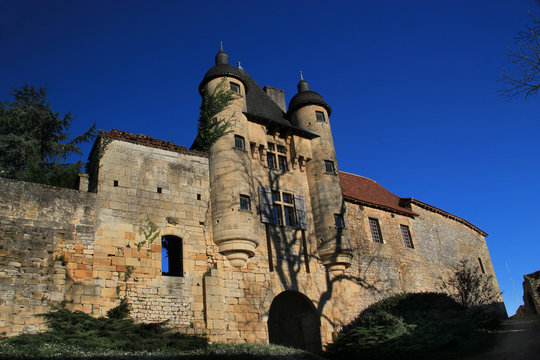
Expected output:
(375, 230)
(281, 163)
(329, 166)
(481, 266)
(235, 87)
(288, 212)
(115, 183)
(405, 232)
(271, 160)
(171, 256)
(319, 115)
(338, 220)
(239, 142)
(283, 208)
(245, 202)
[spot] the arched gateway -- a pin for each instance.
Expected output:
(294, 321)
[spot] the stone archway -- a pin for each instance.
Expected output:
(294, 321)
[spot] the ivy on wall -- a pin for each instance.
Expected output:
(209, 127)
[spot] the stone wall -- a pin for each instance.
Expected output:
(139, 185)
(37, 223)
(102, 256)
(383, 269)
(531, 293)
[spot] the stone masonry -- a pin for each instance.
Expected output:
(270, 242)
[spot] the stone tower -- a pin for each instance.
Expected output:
(234, 231)
(308, 110)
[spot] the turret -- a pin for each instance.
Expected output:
(308, 110)
(232, 194)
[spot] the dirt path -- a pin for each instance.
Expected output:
(518, 339)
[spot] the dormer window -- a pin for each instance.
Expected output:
(235, 87)
(319, 115)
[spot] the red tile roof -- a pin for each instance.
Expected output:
(367, 192)
(364, 191)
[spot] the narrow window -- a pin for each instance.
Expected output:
(239, 142)
(271, 160)
(320, 116)
(115, 183)
(375, 230)
(282, 162)
(235, 87)
(338, 220)
(198, 196)
(277, 218)
(245, 202)
(171, 256)
(329, 166)
(289, 215)
(406, 233)
(481, 266)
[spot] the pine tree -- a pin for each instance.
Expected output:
(34, 140)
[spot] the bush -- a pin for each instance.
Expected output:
(121, 311)
(418, 326)
(75, 329)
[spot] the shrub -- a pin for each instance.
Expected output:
(469, 286)
(408, 326)
(120, 311)
(77, 329)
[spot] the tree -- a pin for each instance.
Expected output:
(469, 286)
(33, 140)
(524, 79)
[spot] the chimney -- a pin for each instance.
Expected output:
(278, 96)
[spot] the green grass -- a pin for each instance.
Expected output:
(415, 326)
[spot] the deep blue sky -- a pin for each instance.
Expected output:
(413, 87)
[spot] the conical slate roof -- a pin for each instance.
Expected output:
(306, 97)
(222, 68)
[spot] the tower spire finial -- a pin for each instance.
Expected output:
(302, 84)
(222, 58)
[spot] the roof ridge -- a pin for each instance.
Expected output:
(365, 177)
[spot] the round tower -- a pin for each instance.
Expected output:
(232, 193)
(308, 110)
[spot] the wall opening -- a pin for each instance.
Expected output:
(294, 321)
(171, 256)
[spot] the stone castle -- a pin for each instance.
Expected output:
(260, 240)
